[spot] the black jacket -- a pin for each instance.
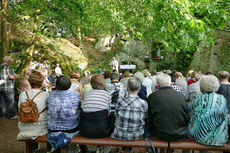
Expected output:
(168, 116)
(95, 124)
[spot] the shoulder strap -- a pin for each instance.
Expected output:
(27, 95)
(116, 86)
(36, 95)
(42, 110)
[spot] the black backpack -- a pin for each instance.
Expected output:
(115, 95)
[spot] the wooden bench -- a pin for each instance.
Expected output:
(186, 144)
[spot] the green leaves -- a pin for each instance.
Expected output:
(178, 24)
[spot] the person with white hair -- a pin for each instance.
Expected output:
(167, 111)
(7, 88)
(209, 114)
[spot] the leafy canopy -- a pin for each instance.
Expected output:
(179, 25)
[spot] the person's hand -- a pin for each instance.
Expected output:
(12, 77)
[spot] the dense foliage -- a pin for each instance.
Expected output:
(181, 26)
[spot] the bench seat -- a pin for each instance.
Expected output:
(186, 144)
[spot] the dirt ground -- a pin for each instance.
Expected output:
(9, 143)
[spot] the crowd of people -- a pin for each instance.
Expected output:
(125, 106)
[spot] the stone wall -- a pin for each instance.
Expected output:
(217, 57)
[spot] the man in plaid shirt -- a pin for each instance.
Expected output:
(7, 88)
(130, 114)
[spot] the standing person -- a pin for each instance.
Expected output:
(7, 88)
(58, 71)
(114, 64)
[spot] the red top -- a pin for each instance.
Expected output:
(190, 82)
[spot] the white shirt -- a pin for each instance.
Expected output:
(114, 64)
(58, 71)
(39, 128)
(148, 84)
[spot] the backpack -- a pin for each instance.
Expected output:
(115, 95)
(29, 111)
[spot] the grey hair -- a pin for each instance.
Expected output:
(134, 84)
(209, 83)
(139, 75)
(114, 76)
(223, 75)
(163, 79)
(198, 76)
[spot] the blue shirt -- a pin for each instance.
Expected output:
(63, 110)
(209, 119)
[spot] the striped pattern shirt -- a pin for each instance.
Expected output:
(96, 100)
(5, 72)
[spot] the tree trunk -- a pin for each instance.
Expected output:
(79, 35)
(3, 51)
(30, 49)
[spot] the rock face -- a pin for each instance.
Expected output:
(215, 58)
(53, 50)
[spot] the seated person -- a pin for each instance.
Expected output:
(39, 128)
(181, 82)
(224, 88)
(76, 85)
(130, 114)
(193, 90)
(126, 77)
(147, 82)
(143, 91)
(115, 86)
(167, 111)
(94, 119)
(23, 83)
(209, 114)
(63, 114)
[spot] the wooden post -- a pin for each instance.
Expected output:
(28, 147)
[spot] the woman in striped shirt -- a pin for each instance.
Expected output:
(96, 108)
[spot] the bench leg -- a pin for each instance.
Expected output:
(65, 149)
(28, 147)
